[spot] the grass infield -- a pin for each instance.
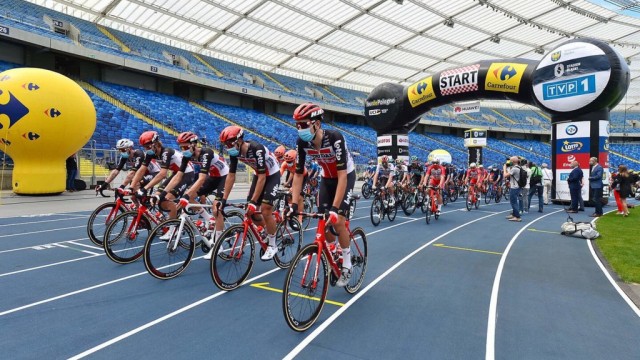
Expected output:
(619, 242)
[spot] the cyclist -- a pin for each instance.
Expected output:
(434, 177)
(495, 178)
(471, 179)
(416, 171)
(403, 174)
(279, 154)
(385, 173)
(211, 178)
(289, 166)
(172, 186)
(132, 157)
(370, 171)
(330, 149)
(482, 178)
(313, 174)
(264, 185)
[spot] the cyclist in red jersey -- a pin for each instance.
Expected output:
(279, 153)
(330, 150)
(482, 178)
(471, 178)
(211, 179)
(264, 185)
(289, 167)
(435, 176)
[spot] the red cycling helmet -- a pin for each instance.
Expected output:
(187, 137)
(231, 133)
(308, 111)
(148, 137)
(290, 156)
(384, 159)
(279, 153)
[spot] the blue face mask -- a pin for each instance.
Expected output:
(124, 155)
(233, 151)
(151, 152)
(187, 153)
(305, 134)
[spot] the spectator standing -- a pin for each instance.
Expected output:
(513, 173)
(575, 186)
(615, 185)
(547, 178)
(72, 171)
(625, 179)
(524, 200)
(536, 186)
(595, 183)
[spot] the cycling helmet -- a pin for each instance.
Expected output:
(124, 144)
(148, 137)
(472, 165)
(290, 156)
(187, 137)
(481, 166)
(231, 133)
(399, 162)
(384, 159)
(279, 153)
(308, 111)
(435, 160)
(414, 158)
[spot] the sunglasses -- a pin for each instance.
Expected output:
(304, 125)
(123, 150)
(185, 147)
(147, 146)
(230, 144)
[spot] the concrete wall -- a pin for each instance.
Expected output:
(129, 78)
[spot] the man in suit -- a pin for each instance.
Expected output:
(575, 181)
(595, 183)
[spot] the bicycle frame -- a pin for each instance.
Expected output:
(248, 225)
(186, 218)
(120, 203)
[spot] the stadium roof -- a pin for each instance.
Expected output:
(359, 44)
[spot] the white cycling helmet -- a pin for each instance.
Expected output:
(472, 165)
(124, 144)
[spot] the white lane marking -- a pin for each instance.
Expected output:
(493, 303)
(161, 319)
(43, 231)
(85, 245)
(44, 221)
(49, 265)
(42, 246)
(624, 296)
(303, 344)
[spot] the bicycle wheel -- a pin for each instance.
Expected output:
(497, 198)
(469, 202)
(167, 257)
(308, 207)
(477, 203)
(392, 211)
(124, 237)
(358, 260)
(487, 196)
(453, 195)
(409, 204)
(288, 241)
(505, 193)
(445, 198)
(427, 209)
(234, 260)
(303, 296)
(99, 221)
(366, 190)
(376, 211)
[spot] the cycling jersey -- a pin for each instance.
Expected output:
(495, 175)
(400, 171)
(136, 161)
(332, 156)
(472, 175)
(435, 171)
(257, 157)
(384, 173)
(371, 169)
(211, 163)
(290, 169)
(169, 159)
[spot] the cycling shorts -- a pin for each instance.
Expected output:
(270, 190)
(178, 190)
(213, 185)
(328, 193)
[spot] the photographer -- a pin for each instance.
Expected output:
(511, 171)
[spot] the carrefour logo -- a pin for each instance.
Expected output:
(571, 146)
(571, 130)
(504, 77)
(421, 92)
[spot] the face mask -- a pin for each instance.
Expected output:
(151, 152)
(124, 155)
(289, 164)
(187, 153)
(305, 134)
(233, 151)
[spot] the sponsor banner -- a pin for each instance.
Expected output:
(562, 187)
(402, 140)
(605, 127)
(384, 140)
(421, 92)
(473, 142)
(603, 144)
(563, 161)
(465, 108)
(504, 77)
(577, 129)
(459, 80)
(572, 146)
(380, 102)
(571, 77)
(603, 159)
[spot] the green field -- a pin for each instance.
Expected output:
(620, 243)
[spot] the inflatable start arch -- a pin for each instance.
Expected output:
(578, 83)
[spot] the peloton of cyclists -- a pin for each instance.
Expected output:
(434, 177)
